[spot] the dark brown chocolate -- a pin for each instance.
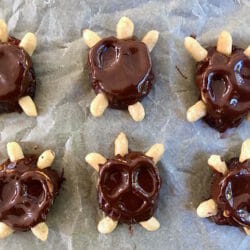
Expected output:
(26, 192)
(17, 77)
(225, 85)
(122, 69)
(232, 194)
(128, 188)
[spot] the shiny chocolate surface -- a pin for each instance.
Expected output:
(26, 192)
(17, 77)
(122, 69)
(128, 188)
(224, 83)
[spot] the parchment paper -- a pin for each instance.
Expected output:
(65, 124)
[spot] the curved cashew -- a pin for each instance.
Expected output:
(28, 43)
(197, 111)
(217, 164)
(94, 159)
(90, 38)
(14, 151)
(195, 49)
(28, 106)
(5, 230)
(156, 152)
(121, 145)
(3, 31)
(136, 111)
(124, 28)
(224, 44)
(99, 105)
(245, 150)
(41, 231)
(247, 51)
(106, 225)
(46, 159)
(150, 39)
(151, 225)
(207, 208)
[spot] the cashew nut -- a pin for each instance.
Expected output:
(150, 39)
(136, 111)
(94, 159)
(224, 44)
(46, 159)
(121, 145)
(124, 28)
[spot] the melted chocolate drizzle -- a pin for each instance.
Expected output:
(122, 69)
(17, 77)
(128, 188)
(225, 86)
(232, 194)
(26, 192)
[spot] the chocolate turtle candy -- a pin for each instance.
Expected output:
(224, 82)
(128, 187)
(26, 192)
(17, 76)
(121, 69)
(232, 194)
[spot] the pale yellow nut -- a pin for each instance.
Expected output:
(247, 51)
(217, 164)
(90, 38)
(195, 49)
(150, 39)
(121, 145)
(207, 208)
(28, 106)
(224, 43)
(94, 159)
(151, 225)
(99, 105)
(248, 117)
(28, 43)
(124, 28)
(14, 151)
(245, 151)
(41, 231)
(3, 31)
(5, 230)
(247, 230)
(156, 152)
(46, 159)
(136, 111)
(197, 111)
(106, 225)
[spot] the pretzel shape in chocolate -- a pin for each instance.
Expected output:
(120, 69)
(230, 191)
(28, 187)
(222, 77)
(128, 185)
(17, 77)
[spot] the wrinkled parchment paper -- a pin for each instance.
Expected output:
(65, 125)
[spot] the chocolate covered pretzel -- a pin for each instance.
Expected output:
(128, 186)
(120, 69)
(223, 79)
(229, 202)
(17, 76)
(28, 188)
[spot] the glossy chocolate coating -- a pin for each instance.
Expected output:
(232, 194)
(17, 77)
(26, 192)
(225, 85)
(121, 69)
(128, 188)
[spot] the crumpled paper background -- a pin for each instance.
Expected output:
(65, 125)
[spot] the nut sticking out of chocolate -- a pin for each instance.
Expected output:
(27, 192)
(230, 191)
(120, 69)
(17, 76)
(128, 185)
(222, 78)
